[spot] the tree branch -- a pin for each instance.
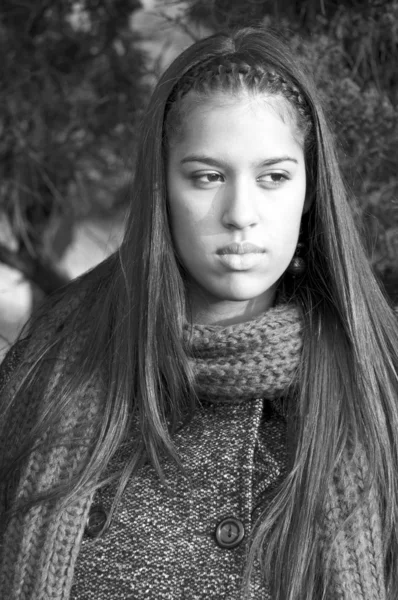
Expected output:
(42, 273)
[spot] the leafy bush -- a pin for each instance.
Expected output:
(70, 97)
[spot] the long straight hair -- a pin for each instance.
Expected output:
(133, 307)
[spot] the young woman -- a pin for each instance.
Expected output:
(212, 411)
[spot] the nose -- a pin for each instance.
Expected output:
(239, 205)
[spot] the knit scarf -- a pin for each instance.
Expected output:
(254, 359)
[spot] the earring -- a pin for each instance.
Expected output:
(297, 265)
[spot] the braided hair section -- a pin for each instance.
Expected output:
(234, 75)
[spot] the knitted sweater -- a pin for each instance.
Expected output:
(188, 539)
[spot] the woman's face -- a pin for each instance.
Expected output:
(236, 193)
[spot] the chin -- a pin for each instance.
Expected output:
(242, 293)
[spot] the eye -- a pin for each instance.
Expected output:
(273, 179)
(207, 179)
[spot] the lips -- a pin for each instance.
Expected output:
(242, 248)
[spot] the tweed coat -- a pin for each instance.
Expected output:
(171, 541)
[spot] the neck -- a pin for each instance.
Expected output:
(212, 311)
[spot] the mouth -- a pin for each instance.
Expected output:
(241, 257)
(240, 249)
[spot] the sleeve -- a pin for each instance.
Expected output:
(39, 546)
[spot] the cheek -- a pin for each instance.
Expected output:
(185, 229)
(283, 227)
(193, 222)
(183, 217)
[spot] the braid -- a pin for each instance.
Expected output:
(233, 74)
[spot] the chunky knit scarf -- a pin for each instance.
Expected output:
(254, 359)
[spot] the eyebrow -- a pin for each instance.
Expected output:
(217, 163)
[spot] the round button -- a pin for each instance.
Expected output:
(229, 533)
(96, 521)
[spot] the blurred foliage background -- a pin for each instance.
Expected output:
(75, 77)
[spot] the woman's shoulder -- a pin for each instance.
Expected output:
(71, 313)
(53, 341)
(57, 311)
(58, 364)
(43, 376)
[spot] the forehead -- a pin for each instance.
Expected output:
(233, 125)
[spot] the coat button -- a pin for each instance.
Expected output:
(95, 521)
(230, 532)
